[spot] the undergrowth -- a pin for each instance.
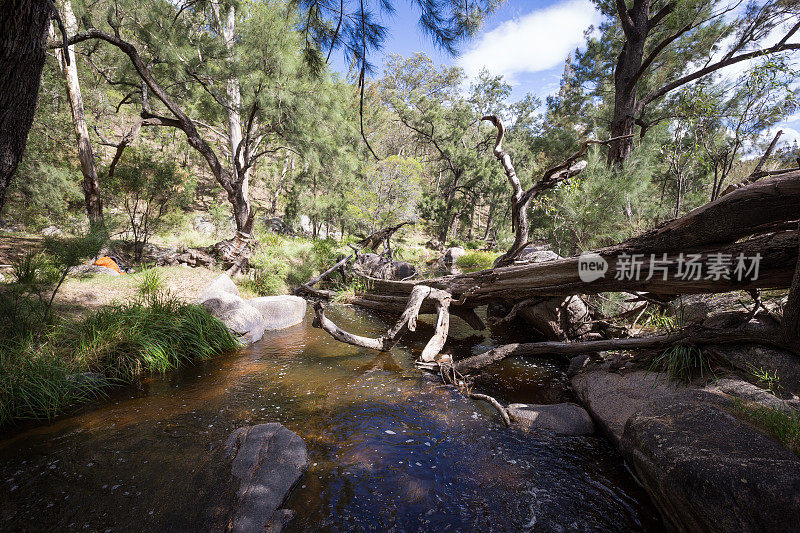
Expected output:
(476, 260)
(682, 363)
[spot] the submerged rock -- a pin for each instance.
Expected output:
(705, 469)
(268, 460)
(280, 311)
(563, 418)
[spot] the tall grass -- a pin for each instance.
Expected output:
(682, 363)
(149, 335)
(40, 375)
(151, 281)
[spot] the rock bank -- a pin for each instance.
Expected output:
(704, 469)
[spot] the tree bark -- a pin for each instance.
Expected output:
(790, 324)
(240, 200)
(636, 27)
(69, 70)
(570, 349)
(23, 41)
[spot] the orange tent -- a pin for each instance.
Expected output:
(107, 262)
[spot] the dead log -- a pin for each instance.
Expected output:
(742, 213)
(521, 201)
(778, 256)
(693, 337)
(790, 323)
(381, 236)
(304, 288)
(407, 322)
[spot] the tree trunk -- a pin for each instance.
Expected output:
(22, 53)
(629, 61)
(790, 325)
(91, 184)
(242, 210)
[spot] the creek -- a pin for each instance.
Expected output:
(388, 447)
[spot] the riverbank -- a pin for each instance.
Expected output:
(50, 370)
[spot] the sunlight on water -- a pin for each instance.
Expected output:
(388, 447)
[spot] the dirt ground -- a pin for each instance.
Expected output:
(81, 294)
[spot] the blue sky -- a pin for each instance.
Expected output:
(526, 41)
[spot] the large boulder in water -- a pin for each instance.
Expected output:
(280, 312)
(268, 460)
(250, 318)
(563, 418)
(705, 469)
(222, 283)
(221, 299)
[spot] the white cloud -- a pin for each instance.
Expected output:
(535, 42)
(787, 140)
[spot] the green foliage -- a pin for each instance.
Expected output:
(39, 374)
(781, 425)
(150, 282)
(146, 186)
(151, 335)
(36, 382)
(601, 206)
(769, 379)
(476, 260)
(682, 363)
(388, 196)
(25, 305)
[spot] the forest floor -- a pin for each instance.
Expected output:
(79, 296)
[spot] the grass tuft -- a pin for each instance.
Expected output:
(151, 281)
(682, 363)
(476, 260)
(781, 425)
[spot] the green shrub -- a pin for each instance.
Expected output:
(781, 425)
(476, 260)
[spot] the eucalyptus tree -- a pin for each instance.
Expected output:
(426, 99)
(667, 44)
(69, 70)
(228, 74)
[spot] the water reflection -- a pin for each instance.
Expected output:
(388, 449)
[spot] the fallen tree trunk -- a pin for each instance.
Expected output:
(778, 256)
(696, 337)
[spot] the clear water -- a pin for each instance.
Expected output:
(389, 448)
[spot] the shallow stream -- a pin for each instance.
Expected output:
(389, 448)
